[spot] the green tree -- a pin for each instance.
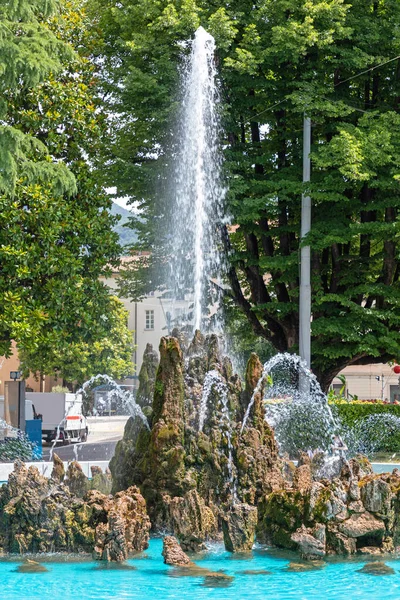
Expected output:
(78, 358)
(29, 53)
(55, 246)
(278, 58)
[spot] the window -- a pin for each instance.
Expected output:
(149, 319)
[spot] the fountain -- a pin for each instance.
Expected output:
(372, 434)
(124, 397)
(197, 211)
(302, 420)
(215, 387)
(14, 444)
(212, 454)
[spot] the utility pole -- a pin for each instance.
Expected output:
(305, 253)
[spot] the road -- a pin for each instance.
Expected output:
(104, 433)
(100, 450)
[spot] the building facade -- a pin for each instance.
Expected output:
(149, 320)
(369, 382)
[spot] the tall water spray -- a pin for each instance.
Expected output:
(302, 420)
(197, 213)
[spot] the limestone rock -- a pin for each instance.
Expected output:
(254, 370)
(101, 481)
(377, 568)
(354, 491)
(147, 377)
(189, 473)
(376, 495)
(127, 466)
(356, 468)
(58, 472)
(369, 551)
(310, 542)
(356, 507)
(110, 542)
(124, 526)
(31, 566)
(302, 479)
(338, 543)
(239, 526)
(361, 525)
(303, 567)
(167, 436)
(197, 343)
(40, 515)
(192, 521)
(76, 480)
(173, 553)
(175, 458)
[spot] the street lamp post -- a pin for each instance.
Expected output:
(305, 253)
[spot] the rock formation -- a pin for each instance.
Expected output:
(190, 468)
(147, 377)
(45, 515)
(354, 513)
(173, 553)
(175, 557)
(126, 529)
(192, 521)
(239, 527)
(200, 474)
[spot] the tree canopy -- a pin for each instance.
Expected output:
(56, 240)
(339, 63)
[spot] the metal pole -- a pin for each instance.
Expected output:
(21, 405)
(305, 253)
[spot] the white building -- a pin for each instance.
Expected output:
(369, 382)
(148, 319)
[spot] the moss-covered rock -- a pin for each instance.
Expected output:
(40, 515)
(147, 377)
(239, 524)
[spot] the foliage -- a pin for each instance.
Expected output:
(242, 340)
(79, 357)
(18, 447)
(60, 389)
(369, 426)
(277, 59)
(29, 53)
(55, 246)
(126, 235)
(349, 412)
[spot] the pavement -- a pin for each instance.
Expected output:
(104, 433)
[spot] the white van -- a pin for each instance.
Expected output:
(61, 414)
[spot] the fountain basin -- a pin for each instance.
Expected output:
(264, 573)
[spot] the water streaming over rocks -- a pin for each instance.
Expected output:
(299, 414)
(215, 386)
(124, 398)
(197, 211)
(14, 444)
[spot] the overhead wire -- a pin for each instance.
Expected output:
(335, 85)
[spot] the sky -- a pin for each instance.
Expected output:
(120, 201)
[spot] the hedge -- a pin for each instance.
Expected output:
(349, 412)
(382, 437)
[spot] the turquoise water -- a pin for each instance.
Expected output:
(152, 580)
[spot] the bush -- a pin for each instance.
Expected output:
(60, 389)
(349, 412)
(369, 426)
